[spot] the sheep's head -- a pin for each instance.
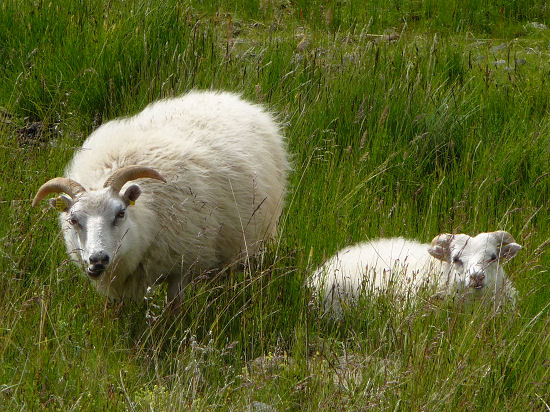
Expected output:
(96, 223)
(475, 261)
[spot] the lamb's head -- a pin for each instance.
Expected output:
(96, 224)
(475, 261)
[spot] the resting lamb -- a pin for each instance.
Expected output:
(453, 262)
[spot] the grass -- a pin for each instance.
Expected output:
(404, 118)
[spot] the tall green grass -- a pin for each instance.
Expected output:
(442, 126)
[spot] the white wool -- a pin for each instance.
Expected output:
(464, 263)
(226, 166)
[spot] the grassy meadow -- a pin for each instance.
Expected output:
(403, 119)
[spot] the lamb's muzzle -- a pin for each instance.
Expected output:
(476, 279)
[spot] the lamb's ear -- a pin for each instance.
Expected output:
(509, 251)
(131, 194)
(441, 247)
(508, 248)
(61, 203)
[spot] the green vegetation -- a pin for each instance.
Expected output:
(404, 118)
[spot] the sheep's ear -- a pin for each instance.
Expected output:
(509, 251)
(61, 203)
(507, 244)
(441, 247)
(131, 194)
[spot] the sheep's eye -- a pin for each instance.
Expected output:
(73, 221)
(493, 258)
(121, 214)
(457, 261)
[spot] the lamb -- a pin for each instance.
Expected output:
(211, 172)
(452, 263)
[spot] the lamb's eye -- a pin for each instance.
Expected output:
(73, 221)
(120, 214)
(493, 258)
(457, 261)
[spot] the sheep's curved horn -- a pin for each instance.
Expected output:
(127, 173)
(58, 185)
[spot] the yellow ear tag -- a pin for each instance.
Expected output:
(60, 204)
(132, 203)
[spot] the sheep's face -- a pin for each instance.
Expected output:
(97, 226)
(475, 261)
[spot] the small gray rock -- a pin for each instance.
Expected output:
(536, 25)
(497, 48)
(256, 406)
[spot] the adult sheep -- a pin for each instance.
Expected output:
(452, 263)
(210, 172)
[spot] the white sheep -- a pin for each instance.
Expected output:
(452, 263)
(225, 165)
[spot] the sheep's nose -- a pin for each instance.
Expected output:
(98, 263)
(476, 279)
(99, 258)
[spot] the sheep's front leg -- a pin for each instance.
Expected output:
(176, 285)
